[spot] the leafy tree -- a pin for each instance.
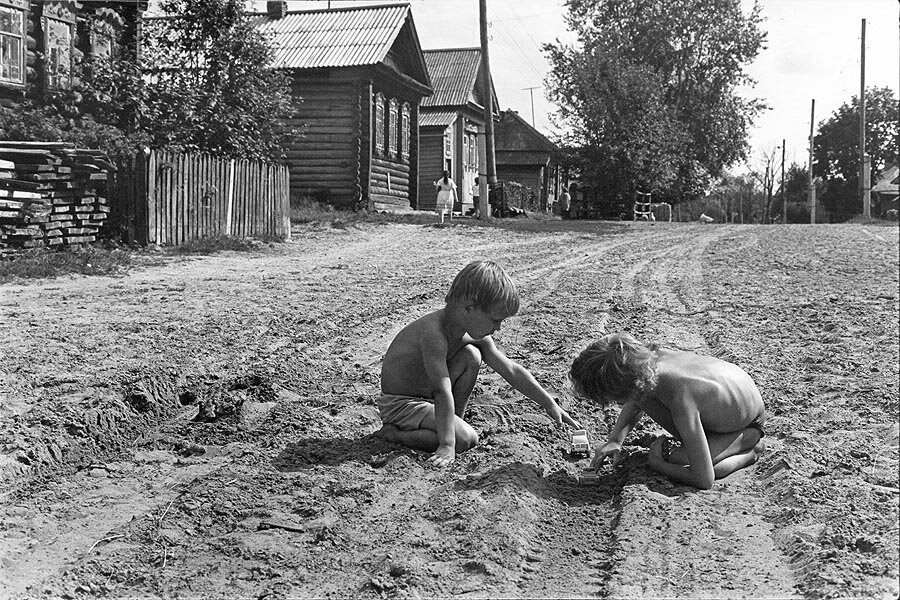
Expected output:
(649, 91)
(212, 88)
(836, 149)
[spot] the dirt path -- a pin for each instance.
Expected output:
(115, 488)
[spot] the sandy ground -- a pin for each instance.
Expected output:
(201, 427)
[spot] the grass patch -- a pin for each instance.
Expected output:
(42, 263)
(219, 243)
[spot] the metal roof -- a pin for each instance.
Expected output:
(438, 118)
(453, 75)
(343, 37)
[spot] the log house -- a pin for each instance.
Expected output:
(525, 155)
(359, 77)
(41, 41)
(451, 119)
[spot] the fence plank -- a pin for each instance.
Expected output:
(165, 197)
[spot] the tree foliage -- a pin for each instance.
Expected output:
(212, 88)
(836, 150)
(649, 93)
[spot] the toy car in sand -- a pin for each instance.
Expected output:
(580, 443)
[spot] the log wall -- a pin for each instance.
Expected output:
(323, 154)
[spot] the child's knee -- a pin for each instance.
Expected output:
(466, 439)
(470, 356)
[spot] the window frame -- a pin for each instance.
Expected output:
(379, 122)
(54, 77)
(393, 125)
(18, 39)
(404, 130)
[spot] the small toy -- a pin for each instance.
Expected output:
(588, 477)
(580, 443)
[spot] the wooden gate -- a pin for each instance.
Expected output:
(169, 198)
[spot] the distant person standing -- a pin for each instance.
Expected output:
(565, 203)
(446, 195)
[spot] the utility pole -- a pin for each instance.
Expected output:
(783, 197)
(488, 113)
(863, 174)
(531, 91)
(812, 181)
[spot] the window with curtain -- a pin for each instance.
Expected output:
(58, 50)
(405, 133)
(393, 124)
(379, 122)
(12, 44)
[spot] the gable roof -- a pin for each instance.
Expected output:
(340, 37)
(514, 134)
(454, 76)
(886, 182)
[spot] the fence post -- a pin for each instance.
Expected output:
(229, 198)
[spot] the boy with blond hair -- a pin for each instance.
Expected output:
(711, 407)
(430, 369)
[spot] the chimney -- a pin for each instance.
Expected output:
(276, 9)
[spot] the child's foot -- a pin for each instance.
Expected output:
(388, 432)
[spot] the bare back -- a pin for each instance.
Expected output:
(403, 369)
(723, 394)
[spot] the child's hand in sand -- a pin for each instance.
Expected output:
(612, 450)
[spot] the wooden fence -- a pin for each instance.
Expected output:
(170, 198)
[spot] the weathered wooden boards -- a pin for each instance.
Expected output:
(51, 194)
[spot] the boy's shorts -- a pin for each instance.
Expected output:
(758, 423)
(406, 412)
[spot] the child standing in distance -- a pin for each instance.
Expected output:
(430, 368)
(710, 406)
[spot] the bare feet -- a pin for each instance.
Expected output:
(388, 432)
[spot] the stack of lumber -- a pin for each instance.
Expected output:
(51, 194)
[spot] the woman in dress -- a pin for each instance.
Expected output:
(446, 195)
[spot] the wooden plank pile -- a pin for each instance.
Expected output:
(51, 194)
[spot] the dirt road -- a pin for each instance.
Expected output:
(201, 427)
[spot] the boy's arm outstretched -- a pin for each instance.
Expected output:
(523, 381)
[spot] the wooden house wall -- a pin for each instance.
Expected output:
(532, 176)
(393, 178)
(323, 154)
(80, 17)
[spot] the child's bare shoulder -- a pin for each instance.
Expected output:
(426, 326)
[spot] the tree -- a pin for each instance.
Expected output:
(213, 88)
(836, 150)
(765, 175)
(649, 92)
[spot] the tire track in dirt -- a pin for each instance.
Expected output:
(696, 536)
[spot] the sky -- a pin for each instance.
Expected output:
(813, 52)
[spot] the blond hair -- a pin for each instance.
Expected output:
(485, 285)
(614, 367)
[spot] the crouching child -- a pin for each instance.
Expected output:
(710, 407)
(431, 366)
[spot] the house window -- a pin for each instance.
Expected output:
(448, 144)
(473, 149)
(102, 38)
(379, 122)
(404, 133)
(58, 48)
(12, 44)
(392, 129)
